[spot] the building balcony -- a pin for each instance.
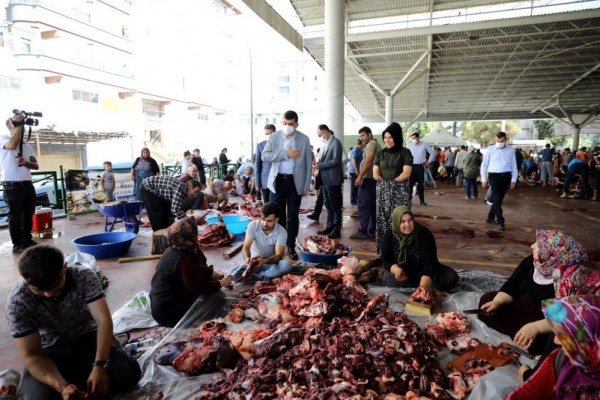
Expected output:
(54, 68)
(52, 20)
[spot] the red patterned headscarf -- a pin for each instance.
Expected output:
(183, 234)
(556, 249)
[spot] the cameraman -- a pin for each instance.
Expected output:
(19, 193)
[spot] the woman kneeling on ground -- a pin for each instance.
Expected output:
(409, 255)
(515, 309)
(182, 275)
(571, 372)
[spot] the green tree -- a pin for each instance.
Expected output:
(545, 131)
(484, 132)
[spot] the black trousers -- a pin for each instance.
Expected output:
(20, 198)
(287, 198)
(332, 198)
(418, 175)
(159, 209)
(266, 195)
(319, 203)
(367, 206)
(74, 361)
(499, 183)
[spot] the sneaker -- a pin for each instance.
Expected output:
(358, 236)
(325, 231)
(489, 203)
(501, 227)
(467, 197)
(562, 196)
(313, 217)
(491, 222)
(423, 203)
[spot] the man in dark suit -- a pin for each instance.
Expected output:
(289, 179)
(331, 171)
(263, 168)
(197, 161)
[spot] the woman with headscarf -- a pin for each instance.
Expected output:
(391, 169)
(409, 255)
(182, 275)
(143, 167)
(571, 372)
(515, 309)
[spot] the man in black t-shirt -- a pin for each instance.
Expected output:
(197, 161)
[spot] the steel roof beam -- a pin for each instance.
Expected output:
(473, 26)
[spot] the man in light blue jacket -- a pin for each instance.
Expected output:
(288, 150)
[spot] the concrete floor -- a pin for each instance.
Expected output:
(464, 241)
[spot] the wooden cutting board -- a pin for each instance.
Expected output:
(415, 308)
(484, 352)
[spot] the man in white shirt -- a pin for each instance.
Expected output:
(499, 167)
(264, 248)
(16, 162)
(420, 151)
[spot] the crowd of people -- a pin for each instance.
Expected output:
(550, 305)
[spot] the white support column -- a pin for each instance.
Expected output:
(334, 65)
(576, 131)
(389, 109)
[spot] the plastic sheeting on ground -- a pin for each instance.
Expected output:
(176, 385)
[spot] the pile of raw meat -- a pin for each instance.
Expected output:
(215, 235)
(322, 336)
(318, 244)
(251, 209)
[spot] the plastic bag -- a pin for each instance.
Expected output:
(82, 259)
(135, 314)
(9, 384)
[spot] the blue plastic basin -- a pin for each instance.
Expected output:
(327, 259)
(105, 245)
(235, 224)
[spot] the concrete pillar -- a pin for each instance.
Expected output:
(576, 131)
(334, 65)
(389, 110)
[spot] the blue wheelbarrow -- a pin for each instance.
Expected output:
(128, 213)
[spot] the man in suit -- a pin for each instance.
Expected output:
(289, 179)
(263, 168)
(331, 171)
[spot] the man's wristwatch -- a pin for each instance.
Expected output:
(101, 363)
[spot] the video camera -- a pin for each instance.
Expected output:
(27, 120)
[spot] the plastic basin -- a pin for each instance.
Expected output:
(105, 245)
(327, 259)
(235, 224)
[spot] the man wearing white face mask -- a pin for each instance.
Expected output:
(289, 179)
(499, 166)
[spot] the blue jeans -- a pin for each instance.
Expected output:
(353, 190)
(74, 362)
(266, 272)
(288, 200)
(471, 185)
(367, 206)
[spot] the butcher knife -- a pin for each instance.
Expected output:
(517, 350)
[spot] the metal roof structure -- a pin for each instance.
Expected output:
(448, 60)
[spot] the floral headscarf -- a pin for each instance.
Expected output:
(576, 280)
(576, 321)
(183, 234)
(555, 249)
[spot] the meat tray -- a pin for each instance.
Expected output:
(484, 352)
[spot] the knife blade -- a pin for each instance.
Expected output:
(471, 311)
(517, 350)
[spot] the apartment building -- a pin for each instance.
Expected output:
(87, 66)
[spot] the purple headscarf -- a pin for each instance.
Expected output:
(576, 322)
